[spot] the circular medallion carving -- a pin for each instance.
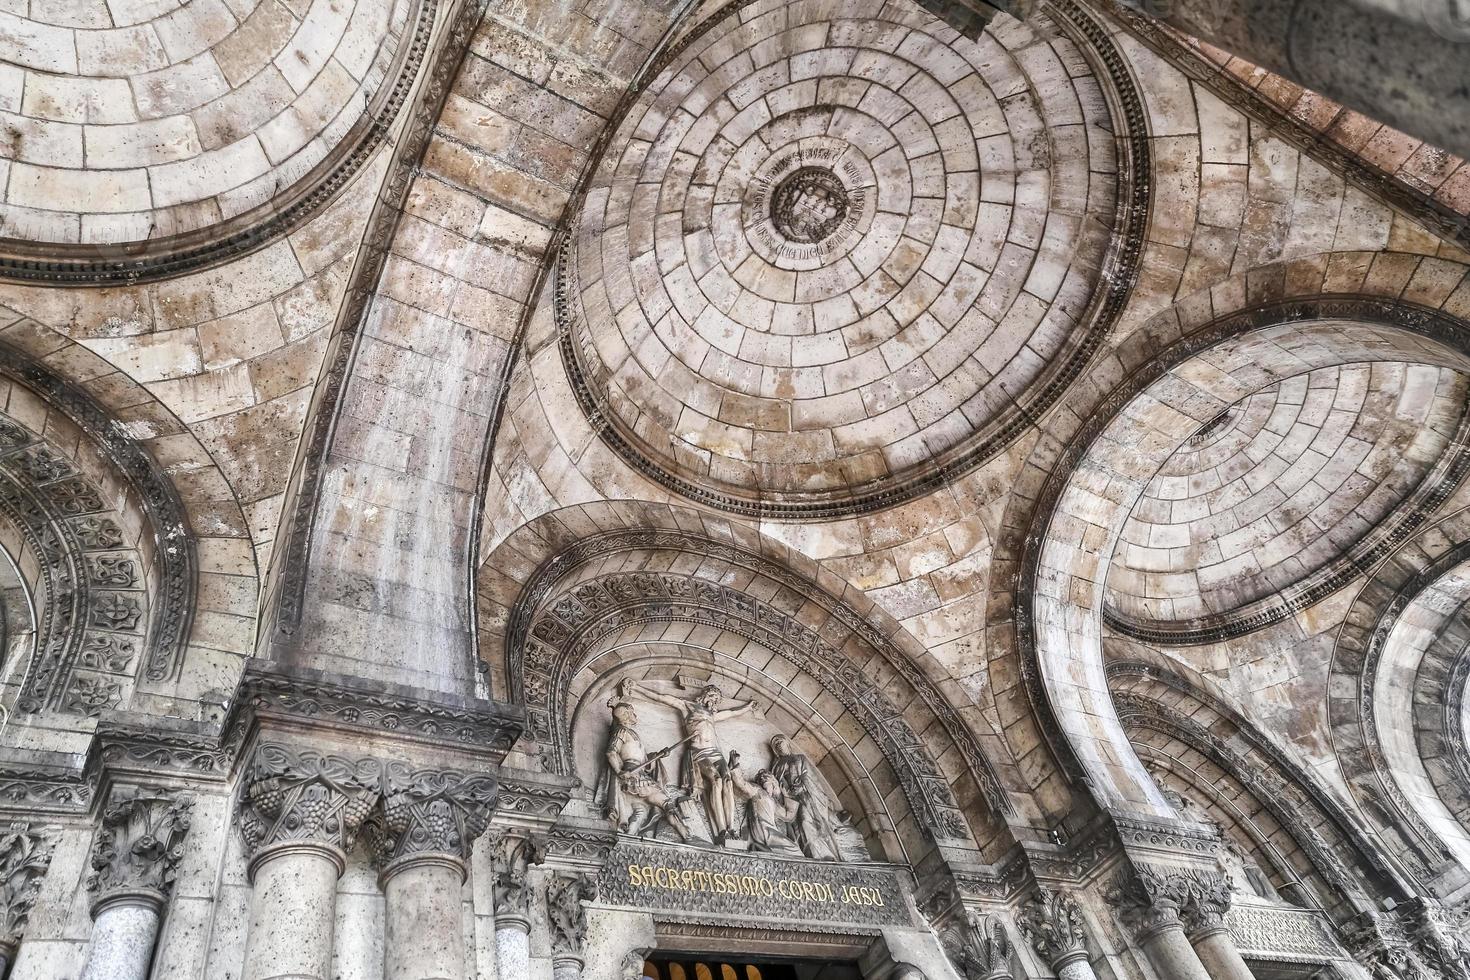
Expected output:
(831, 261)
(808, 206)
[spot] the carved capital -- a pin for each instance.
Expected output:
(25, 854)
(1383, 946)
(979, 947)
(1052, 922)
(511, 856)
(293, 795)
(431, 811)
(565, 894)
(1209, 901)
(139, 842)
(1150, 900)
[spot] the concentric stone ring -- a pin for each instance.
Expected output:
(827, 255)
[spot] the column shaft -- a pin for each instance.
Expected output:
(425, 918)
(1171, 954)
(1217, 951)
(566, 968)
(293, 907)
(124, 931)
(1074, 966)
(512, 947)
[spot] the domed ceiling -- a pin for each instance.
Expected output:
(1279, 487)
(131, 122)
(825, 257)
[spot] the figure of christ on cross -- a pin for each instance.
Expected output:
(708, 772)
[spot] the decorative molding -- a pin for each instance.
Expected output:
(1051, 921)
(56, 264)
(302, 795)
(566, 913)
(139, 842)
(25, 854)
(1292, 935)
(1094, 42)
(426, 811)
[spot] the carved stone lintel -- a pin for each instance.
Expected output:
(512, 855)
(25, 854)
(565, 894)
(139, 844)
(979, 947)
(1052, 922)
(303, 796)
(431, 811)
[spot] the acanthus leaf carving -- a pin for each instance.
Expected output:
(512, 856)
(139, 843)
(1051, 921)
(25, 854)
(566, 913)
(303, 795)
(978, 946)
(431, 811)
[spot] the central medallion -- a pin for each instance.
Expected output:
(809, 205)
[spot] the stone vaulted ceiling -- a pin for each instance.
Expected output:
(1052, 418)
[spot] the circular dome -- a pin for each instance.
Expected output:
(174, 123)
(824, 257)
(1280, 486)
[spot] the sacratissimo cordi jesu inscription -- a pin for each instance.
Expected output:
(755, 886)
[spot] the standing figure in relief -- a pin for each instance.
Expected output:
(633, 789)
(816, 820)
(768, 811)
(705, 770)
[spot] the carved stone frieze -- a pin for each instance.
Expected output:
(978, 946)
(301, 795)
(565, 912)
(1051, 921)
(139, 842)
(512, 855)
(430, 811)
(25, 854)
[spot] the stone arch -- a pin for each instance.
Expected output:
(149, 506)
(1248, 785)
(1064, 518)
(586, 575)
(1399, 655)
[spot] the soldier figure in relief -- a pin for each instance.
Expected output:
(634, 791)
(705, 770)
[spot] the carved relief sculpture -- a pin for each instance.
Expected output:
(305, 796)
(706, 774)
(767, 810)
(634, 789)
(25, 853)
(139, 843)
(979, 947)
(512, 857)
(1052, 923)
(431, 811)
(565, 894)
(819, 828)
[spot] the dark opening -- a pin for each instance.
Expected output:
(704, 966)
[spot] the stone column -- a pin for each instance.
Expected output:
(1149, 904)
(565, 894)
(134, 858)
(1052, 923)
(1204, 922)
(25, 854)
(299, 815)
(431, 819)
(512, 856)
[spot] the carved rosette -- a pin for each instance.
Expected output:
(138, 845)
(431, 812)
(566, 914)
(1051, 921)
(511, 856)
(25, 854)
(979, 947)
(304, 796)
